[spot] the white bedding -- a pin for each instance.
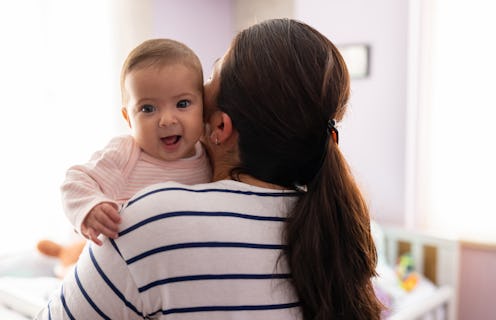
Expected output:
(26, 281)
(25, 295)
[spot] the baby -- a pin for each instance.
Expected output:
(162, 98)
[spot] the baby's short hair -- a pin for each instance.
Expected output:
(159, 52)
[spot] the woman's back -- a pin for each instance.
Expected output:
(209, 251)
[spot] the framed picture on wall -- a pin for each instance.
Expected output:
(357, 58)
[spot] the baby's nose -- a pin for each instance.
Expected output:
(167, 118)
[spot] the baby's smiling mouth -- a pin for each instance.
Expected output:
(171, 140)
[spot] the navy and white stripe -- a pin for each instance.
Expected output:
(260, 194)
(190, 252)
(228, 308)
(198, 214)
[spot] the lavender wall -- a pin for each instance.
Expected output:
(205, 26)
(373, 134)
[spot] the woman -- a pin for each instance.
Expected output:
(283, 231)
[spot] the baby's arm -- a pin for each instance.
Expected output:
(103, 219)
(95, 182)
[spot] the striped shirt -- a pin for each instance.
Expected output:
(210, 251)
(121, 169)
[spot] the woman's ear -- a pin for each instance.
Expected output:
(126, 116)
(221, 127)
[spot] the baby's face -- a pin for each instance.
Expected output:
(164, 110)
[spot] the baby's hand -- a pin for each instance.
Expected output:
(102, 219)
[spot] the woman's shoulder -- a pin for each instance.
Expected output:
(173, 189)
(171, 198)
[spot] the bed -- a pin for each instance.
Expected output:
(435, 296)
(26, 281)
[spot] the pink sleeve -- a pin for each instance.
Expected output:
(99, 180)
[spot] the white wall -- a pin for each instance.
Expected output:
(57, 108)
(372, 136)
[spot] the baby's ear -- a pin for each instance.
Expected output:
(125, 115)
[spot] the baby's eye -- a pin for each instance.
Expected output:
(147, 108)
(183, 103)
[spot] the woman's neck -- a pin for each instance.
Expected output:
(223, 172)
(246, 178)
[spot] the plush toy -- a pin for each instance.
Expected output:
(67, 255)
(405, 270)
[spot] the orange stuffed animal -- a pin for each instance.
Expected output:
(66, 254)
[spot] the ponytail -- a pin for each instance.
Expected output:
(290, 77)
(330, 250)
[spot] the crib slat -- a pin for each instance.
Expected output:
(392, 250)
(445, 266)
(417, 251)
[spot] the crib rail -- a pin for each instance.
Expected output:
(435, 257)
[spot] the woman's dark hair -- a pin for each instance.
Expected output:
(281, 82)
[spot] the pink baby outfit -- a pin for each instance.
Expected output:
(117, 172)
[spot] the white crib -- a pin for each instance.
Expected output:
(437, 259)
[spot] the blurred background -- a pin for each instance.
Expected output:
(418, 134)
